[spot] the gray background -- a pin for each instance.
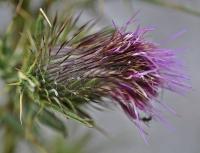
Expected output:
(123, 136)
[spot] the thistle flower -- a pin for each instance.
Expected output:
(119, 65)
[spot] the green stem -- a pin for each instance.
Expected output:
(9, 141)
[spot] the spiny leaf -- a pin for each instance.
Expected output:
(45, 16)
(88, 122)
(39, 27)
(12, 122)
(51, 120)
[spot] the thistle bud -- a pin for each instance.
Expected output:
(122, 66)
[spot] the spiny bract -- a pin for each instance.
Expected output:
(113, 63)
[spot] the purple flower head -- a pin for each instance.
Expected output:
(125, 67)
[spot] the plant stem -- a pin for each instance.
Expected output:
(9, 141)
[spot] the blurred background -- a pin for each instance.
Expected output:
(168, 17)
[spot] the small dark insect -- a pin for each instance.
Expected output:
(146, 119)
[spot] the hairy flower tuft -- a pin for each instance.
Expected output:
(116, 64)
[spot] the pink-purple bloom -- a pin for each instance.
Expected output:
(127, 68)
